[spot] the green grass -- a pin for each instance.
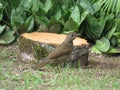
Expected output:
(77, 79)
(14, 77)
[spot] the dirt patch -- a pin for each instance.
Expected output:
(104, 61)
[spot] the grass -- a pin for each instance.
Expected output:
(21, 77)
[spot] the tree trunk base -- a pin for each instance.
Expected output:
(35, 46)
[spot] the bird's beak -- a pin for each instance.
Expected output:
(77, 35)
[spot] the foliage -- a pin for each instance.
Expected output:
(93, 19)
(6, 36)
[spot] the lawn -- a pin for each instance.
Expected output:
(103, 73)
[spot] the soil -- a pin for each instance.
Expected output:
(95, 61)
(104, 61)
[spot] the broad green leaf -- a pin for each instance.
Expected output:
(38, 20)
(109, 17)
(110, 33)
(58, 15)
(114, 41)
(89, 34)
(26, 4)
(95, 50)
(67, 32)
(30, 23)
(83, 16)
(67, 4)
(110, 23)
(1, 16)
(16, 17)
(87, 5)
(2, 28)
(97, 5)
(7, 37)
(35, 6)
(75, 15)
(53, 21)
(103, 44)
(48, 5)
(22, 28)
(1, 5)
(66, 15)
(40, 4)
(15, 3)
(118, 7)
(113, 50)
(117, 20)
(95, 26)
(41, 20)
(28, 20)
(118, 42)
(117, 34)
(71, 25)
(2, 41)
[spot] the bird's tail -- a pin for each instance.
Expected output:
(42, 63)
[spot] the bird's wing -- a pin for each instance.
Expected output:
(61, 50)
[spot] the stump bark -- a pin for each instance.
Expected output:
(35, 46)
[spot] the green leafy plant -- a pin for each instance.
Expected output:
(6, 36)
(111, 27)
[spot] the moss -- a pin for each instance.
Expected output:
(31, 47)
(25, 45)
(39, 52)
(44, 52)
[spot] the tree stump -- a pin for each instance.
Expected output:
(35, 46)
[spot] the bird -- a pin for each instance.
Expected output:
(63, 49)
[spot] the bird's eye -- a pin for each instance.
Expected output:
(72, 35)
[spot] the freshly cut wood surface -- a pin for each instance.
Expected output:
(52, 38)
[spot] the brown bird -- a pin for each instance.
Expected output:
(63, 49)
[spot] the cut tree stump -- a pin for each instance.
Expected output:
(35, 46)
